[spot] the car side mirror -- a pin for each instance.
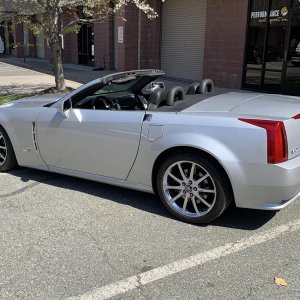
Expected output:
(65, 107)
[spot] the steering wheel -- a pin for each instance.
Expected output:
(115, 104)
(100, 103)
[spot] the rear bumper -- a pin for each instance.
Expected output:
(267, 186)
(275, 206)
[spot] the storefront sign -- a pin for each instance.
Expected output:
(277, 15)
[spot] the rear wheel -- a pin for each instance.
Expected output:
(193, 188)
(7, 156)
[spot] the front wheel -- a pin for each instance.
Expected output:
(193, 188)
(7, 156)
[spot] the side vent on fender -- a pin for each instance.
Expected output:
(34, 137)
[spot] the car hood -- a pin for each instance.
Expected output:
(36, 101)
(254, 104)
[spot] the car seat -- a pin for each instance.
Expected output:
(156, 99)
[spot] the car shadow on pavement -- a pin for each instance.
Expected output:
(245, 219)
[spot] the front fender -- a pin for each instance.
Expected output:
(18, 124)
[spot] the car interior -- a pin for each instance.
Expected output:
(122, 96)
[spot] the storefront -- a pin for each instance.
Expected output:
(272, 55)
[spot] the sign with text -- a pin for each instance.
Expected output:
(120, 34)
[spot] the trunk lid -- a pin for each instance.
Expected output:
(256, 105)
(269, 106)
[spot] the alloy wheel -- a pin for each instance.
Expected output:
(3, 149)
(189, 189)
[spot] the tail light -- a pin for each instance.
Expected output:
(277, 146)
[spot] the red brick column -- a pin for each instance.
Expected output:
(32, 43)
(119, 48)
(131, 38)
(225, 42)
(150, 38)
(19, 40)
(70, 42)
(103, 41)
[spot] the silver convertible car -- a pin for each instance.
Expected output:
(197, 150)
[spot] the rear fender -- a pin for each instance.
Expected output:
(149, 153)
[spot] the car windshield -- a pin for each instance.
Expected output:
(119, 85)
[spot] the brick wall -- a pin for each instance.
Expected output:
(131, 38)
(119, 48)
(32, 43)
(225, 42)
(150, 38)
(103, 40)
(127, 53)
(19, 40)
(70, 42)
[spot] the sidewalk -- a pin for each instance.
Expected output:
(35, 75)
(77, 73)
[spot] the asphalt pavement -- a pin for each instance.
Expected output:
(63, 237)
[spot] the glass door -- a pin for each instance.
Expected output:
(255, 44)
(267, 32)
(292, 75)
(86, 45)
(272, 60)
(275, 45)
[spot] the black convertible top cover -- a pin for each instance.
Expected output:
(189, 101)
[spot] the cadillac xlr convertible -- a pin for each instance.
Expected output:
(198, 150)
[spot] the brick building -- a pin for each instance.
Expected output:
(251, 44)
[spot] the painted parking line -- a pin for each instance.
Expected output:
(141, 279)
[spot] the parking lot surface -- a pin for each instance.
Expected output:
(67, 238)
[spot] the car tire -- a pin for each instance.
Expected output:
(8, 159)
(193, 187)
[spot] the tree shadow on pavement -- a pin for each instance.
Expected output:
(237, 218)
(23, 88)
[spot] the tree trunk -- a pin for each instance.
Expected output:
(56, 53)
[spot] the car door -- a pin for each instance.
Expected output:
(100, 142)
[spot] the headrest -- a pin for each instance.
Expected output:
(176, 93)
(207, 86)
(193, 88)
(156, 98)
